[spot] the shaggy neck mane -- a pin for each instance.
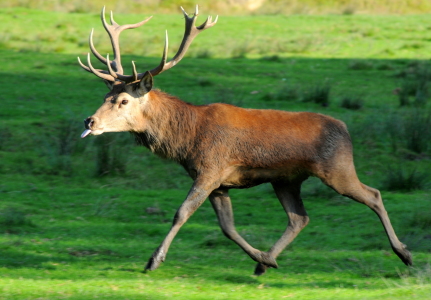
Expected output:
(171, 127)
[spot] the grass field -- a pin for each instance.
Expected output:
(80, 218)
(234, 7)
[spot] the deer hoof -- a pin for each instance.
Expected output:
(155, 261)
(404, 255)
(260, 269)
(266, 259)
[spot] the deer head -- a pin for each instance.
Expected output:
(125, 105)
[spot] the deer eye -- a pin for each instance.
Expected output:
(124, 102)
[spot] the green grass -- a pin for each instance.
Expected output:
(350, 37)
(235, 7)
(67, 233)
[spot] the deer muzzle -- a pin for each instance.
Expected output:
(91, 127)
(88, 122)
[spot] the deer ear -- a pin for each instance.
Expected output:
(109, 84)
(146, 83)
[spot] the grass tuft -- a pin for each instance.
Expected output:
(417, 131)
(415, 84)
(223, 95)
(5, 137)
(403, 179)
(59, 145)
(318, 94)
(361, 65)
(111, 154)
(202, 81)
(241, 50)
(286, 92)
(204, 54)
(349, 10)
(421, 219)
(272, 58)
(409, 131)
(13, 217)
(352, 103)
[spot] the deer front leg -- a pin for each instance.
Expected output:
(196, 196)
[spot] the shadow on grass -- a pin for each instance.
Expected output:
(237, 279)
(17, 259)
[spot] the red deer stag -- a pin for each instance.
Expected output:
(224, 147)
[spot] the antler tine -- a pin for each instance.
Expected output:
(121, 77)
(88, 69)
(93, 49)
(99, 73)
(83, 66)
(208, 23)
(111, 71)
(103, 74)
(190, 32)
(114, 31)
(135, 74)
(112, 19)
(160, 68)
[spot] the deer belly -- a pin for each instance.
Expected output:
(245, 177)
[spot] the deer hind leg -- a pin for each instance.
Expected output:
(345, 181)
(222, 205)
(288, 194)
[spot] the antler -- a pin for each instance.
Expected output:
(115, 69)
(191, 31)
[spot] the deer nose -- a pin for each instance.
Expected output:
(88, 123)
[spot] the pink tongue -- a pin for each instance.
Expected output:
(85, 133)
